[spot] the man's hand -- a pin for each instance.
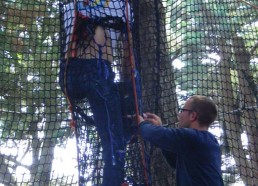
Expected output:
(139, 119)
(153, 118)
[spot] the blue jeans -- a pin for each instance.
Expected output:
(94, 80)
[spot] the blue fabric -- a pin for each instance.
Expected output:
(94, 79)
(196, 154)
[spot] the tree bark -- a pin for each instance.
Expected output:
(231, 117)
(158, 86)
(248, 103)
(6, 177)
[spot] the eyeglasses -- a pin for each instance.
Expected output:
(182, 110)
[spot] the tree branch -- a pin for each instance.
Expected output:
(12, 159)
(254, 48)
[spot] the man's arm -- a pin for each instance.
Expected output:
(158, 136)
(169, 156)
(169, 139)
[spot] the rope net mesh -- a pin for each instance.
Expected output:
(71, 71)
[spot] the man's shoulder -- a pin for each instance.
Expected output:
(190, 133)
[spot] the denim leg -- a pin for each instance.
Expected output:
(84, 81)
(108, 119)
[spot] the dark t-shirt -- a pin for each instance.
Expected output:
(195, 154)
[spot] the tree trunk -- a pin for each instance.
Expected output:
(35, 145)
(45, 163)
(248, 103)
(158, 87)
(230, 117)
(43, 153)
(6, 177)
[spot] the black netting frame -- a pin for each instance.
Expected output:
(182, 48)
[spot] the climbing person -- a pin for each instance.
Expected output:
(92, 29)
(191, 149)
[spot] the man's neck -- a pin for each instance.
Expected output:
(197, 126)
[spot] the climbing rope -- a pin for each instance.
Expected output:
(132, 63)
(71, 51)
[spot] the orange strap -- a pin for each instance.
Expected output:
(131, 57)
(71, 51)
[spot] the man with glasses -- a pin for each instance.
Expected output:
(191, 149)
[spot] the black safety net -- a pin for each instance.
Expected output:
(73, 73)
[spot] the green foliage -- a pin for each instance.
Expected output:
(29, 64)
(201, 25)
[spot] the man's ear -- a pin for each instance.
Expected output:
(193, 116)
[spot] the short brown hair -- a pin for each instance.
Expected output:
(205, 108)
